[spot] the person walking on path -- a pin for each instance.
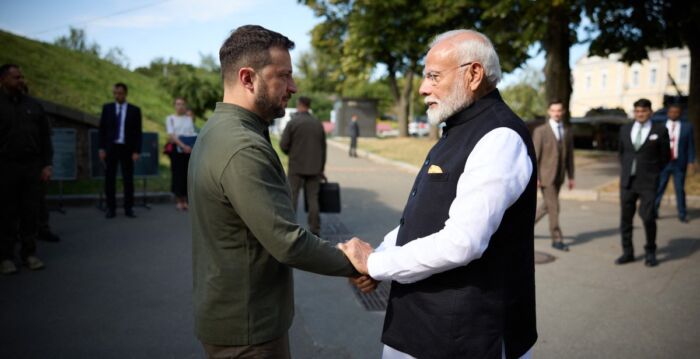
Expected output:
(179, 125)
(682, 151)
(304, 141)
(120, 145)
(644, 152)
(26, 156)
(554, 145)
(245, 238)
(354, 132)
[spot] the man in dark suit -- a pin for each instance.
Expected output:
(304, 141)
(682, 156)
(120, 144)
(554, 146)
(354, 133)
(643, 154)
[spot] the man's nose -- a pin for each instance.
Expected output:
(425, 88)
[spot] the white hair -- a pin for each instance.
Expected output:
(470, 50)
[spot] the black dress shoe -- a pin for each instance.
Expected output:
(560, 246)
(110, 214)
(625, 258)
(49, 237)
(650, 260)
(129, 213)
(683, 220)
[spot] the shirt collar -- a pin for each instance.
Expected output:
(644, 126)
(241, 114)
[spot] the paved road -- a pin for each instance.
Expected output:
(122, 288)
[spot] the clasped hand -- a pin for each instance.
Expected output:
(357, 252)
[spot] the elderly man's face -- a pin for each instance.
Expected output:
(444, 86)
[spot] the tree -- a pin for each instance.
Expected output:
(116, 56)
(526, 97)
(631, 28)
(77, 40)
(362, 34)
(552, 25)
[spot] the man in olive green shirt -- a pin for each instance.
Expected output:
(245, 238)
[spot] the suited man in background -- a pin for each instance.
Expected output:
(554, 146)
(682, 152)
(304, 141)
(644, 151)
(120, 144)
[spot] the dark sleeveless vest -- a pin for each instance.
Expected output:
(470, 311)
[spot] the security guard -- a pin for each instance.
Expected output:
(25, 160)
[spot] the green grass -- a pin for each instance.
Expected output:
(82, 81)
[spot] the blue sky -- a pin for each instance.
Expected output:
(181, 29)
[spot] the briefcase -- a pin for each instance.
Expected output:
(328, 198)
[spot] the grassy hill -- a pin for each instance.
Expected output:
(82, 81)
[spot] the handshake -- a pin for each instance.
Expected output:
(357, 252)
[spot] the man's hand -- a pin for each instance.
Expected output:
(364, 283)
(102, 155)
(572, 184)
(357, 252)
(186, 149)
(539, 184)
(324, 178)
(46, 173)
(135, 156)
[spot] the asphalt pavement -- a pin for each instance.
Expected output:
(122, 288)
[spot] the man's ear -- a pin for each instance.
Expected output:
(246, 76)
(476, 76)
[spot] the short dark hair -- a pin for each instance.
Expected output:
(250, 46)
(4, 69)
(304, 101)
(555, 101)
(122, 85)
(642, 102)
(676, 105)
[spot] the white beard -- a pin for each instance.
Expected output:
(456, 100)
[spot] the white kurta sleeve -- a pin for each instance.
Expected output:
(495, 175)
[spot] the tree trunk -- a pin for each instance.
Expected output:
(694, 91)
(556, 44)
(405, 104)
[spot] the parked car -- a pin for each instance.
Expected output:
(597, 132)
(419, 126)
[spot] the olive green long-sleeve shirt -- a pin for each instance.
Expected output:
(245, 238)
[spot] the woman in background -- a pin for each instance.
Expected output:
(179, 125)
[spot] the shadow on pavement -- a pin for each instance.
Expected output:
(678, 248)
(586, 237)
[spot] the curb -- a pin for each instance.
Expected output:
(77, 200)
(583, 195)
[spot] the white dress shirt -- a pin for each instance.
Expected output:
(120, 109)
(495, 175)
(646, 128)
(557, 128)
(674, 133)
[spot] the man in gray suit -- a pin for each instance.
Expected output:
(554, 146)
(304, 141)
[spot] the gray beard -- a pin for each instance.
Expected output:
(456, 101)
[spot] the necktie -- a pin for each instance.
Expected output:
(560, 132)
(638, 139)
(119, 122)
(637, 144)
(673, 140)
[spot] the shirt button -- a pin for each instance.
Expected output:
(401, 221)
(413, 193)
(426, 162)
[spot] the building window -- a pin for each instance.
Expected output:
(604, 80)
(635, 78)
(683, 76)
(652, 77)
